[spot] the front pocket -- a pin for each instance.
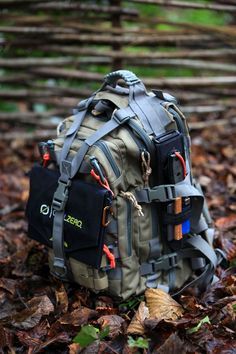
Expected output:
(102, 145)
(83, 219)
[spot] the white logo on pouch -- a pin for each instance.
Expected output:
(49, 212)
(44, 209)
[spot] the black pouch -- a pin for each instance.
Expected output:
(168, 168)
(85, 216)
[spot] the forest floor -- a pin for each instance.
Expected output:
(41, 315)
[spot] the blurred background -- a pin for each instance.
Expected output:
(54, 53)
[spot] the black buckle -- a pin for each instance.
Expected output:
(60, 197)
(163, 193)
(59, 268)
(166, 262)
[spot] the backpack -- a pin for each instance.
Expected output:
(114, 198)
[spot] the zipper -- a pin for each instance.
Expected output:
(144, 136)
(129, 228)
(105, 149)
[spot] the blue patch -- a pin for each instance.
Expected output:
(186, 227)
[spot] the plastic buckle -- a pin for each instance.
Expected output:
(162, 193)
(166, 262)
(61, 195)
(119, 119)
(59, 268)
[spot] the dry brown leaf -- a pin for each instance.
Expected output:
(36, 308)
(62, 298)
(161, 305)
(114, 322)
(227, 222)
(74, 348)
(136, 325)
(9, 285)
(78, 317)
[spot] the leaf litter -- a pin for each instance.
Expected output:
(40, 314)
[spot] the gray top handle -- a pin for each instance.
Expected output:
(129, 78)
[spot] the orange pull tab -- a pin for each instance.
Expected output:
(178, 228)
(46, 158)
(110, 256)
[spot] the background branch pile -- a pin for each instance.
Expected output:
(54, 53)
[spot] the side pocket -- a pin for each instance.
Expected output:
(85, 275)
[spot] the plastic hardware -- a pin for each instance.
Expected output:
(110, 257)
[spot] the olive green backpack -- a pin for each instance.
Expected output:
(115, 200)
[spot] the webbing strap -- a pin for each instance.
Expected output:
(72, 131)
(68, 171)
(199, 248)
(207, 251)
(60, 267)
(119, 117)
(150, 110)
(165, 193)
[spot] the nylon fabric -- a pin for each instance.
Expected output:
(118, 142)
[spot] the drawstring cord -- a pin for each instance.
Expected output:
(131, 197)
(146, 168)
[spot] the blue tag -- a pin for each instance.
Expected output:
(186, 227)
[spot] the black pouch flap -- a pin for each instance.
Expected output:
(83, 226)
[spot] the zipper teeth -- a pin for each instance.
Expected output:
(103, 146)
(129, 226)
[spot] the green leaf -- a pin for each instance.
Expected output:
(198, 326)
(87, 335)
(140, 342)
(104, 333)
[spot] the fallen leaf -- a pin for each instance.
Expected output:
(61, 299)
(161, 305)
(136, 326)
(78, 317)
(74, 348)
(228, 152)
(227, 222)
(36, 308)
(173, 345)
(114, 322)
(6, 339)
(9, 285)
(198, 326)
(204, 181)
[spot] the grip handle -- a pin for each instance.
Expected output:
(128, 76)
